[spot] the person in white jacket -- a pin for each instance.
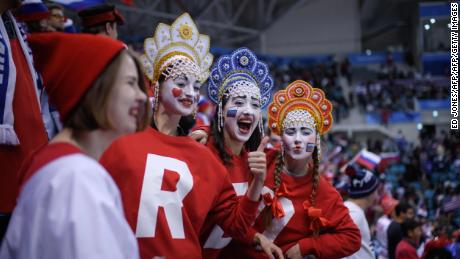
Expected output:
(69, 206)
(362, 193)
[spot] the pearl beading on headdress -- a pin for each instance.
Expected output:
(243, 88)
(299, 118)
(182, 67)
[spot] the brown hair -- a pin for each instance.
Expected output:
(91, 111)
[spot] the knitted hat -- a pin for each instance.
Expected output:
(70, 63)
(31, 10)
(362, 182)
(100, 14)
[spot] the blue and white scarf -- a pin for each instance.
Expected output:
(8, 83)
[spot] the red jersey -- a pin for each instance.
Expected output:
(340, 238)
(214, 239)
(169, 185)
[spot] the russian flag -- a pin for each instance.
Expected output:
(31, 10)
(388, 158)
(78, 5)
(367, 159)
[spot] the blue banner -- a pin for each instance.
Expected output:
(434, 9)
(434, 104)
(435, 63)
(395, 117)
(362, 59)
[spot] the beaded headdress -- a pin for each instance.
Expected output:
(176, 49)
(300, 103)
(240, 71)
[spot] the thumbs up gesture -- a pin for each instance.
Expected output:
(258, 166)
(257, 161)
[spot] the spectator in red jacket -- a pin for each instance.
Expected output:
(407, 247)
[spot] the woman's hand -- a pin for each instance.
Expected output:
(257, 161)
(294, 252)
(258, 166)
(267, 246)
(200, 136)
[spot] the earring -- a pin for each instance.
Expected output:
(261, 128)
(318, 145)
(220, 121)
(157, 95)
(194, 114)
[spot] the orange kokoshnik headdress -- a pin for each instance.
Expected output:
(300, 102)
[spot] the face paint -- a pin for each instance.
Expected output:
(231, 112)
(179, 95)
(299, 141)
(176, 92)
(310, 147)
(242, 113)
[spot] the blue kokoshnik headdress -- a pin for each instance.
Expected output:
(238, 68)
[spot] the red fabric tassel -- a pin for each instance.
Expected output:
(316, 221)
(276, 208)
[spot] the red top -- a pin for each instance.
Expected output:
(29, 127)
(406, 250)
(169, 185)
(213, 238)
(339, 238)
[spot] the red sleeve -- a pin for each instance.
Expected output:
(342, 239)
(234, 216)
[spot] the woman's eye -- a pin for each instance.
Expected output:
(290, 132)
(131, 83)
(306, 132)
(180, 82)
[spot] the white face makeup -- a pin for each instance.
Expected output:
(242, 112)
(299, 138)
(180, 95)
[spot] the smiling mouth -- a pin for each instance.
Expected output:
(244, 125)
(186, 102)
(134, 111)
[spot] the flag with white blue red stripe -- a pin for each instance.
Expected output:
(79, 4)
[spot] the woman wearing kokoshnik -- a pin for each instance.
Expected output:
(301, 212)
(241, 86)
(169, 183)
